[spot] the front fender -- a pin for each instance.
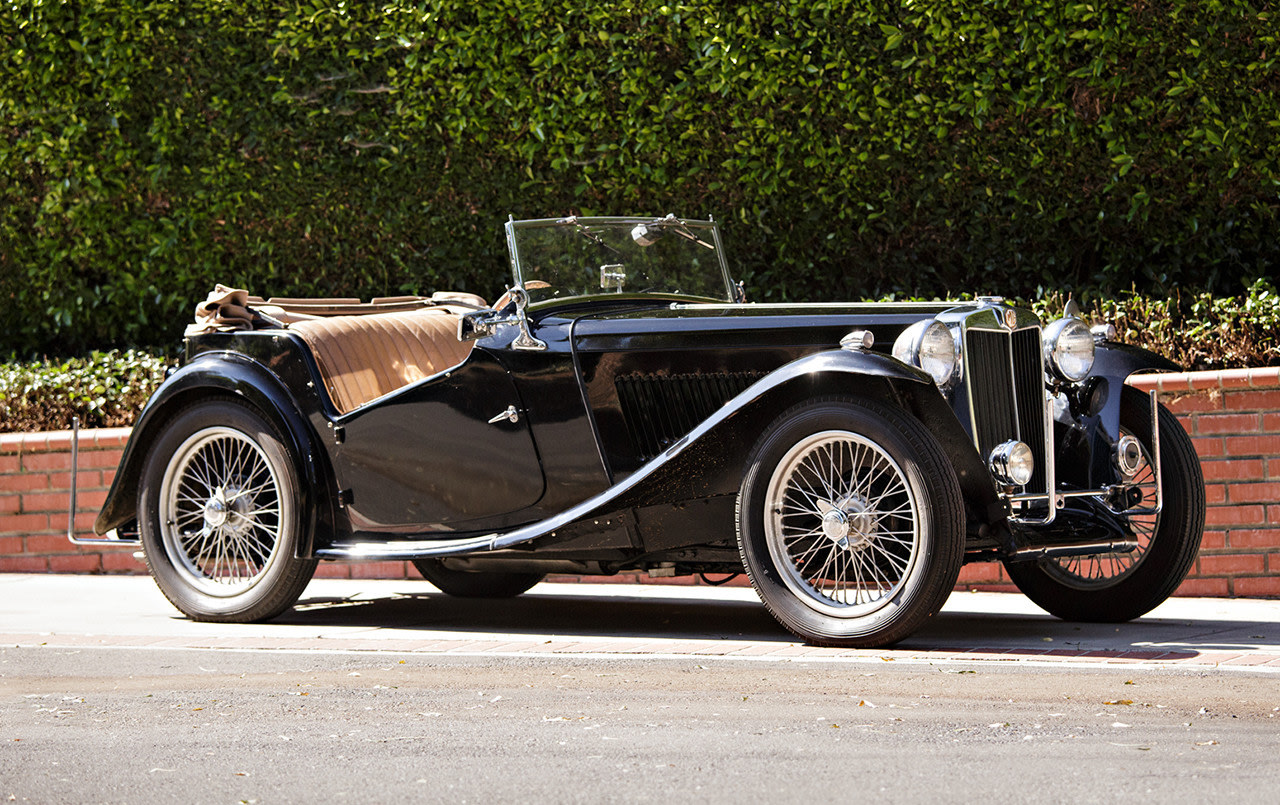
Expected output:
(869, 375)
(231, 374)
(1115, 363)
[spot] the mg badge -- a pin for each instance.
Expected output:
(1008, 317)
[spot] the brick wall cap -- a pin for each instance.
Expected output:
(1261, 377)
(59, 441)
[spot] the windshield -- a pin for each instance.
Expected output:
(559, 258)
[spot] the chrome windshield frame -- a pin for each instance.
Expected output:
(512, 227)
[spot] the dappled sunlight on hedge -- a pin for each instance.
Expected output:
(1013, 146)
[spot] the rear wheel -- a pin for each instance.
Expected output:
(468, 584)
(850, 523)
(219, 515)
(1114, 587)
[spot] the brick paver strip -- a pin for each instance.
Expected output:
(441, 646)
(514, 647)
(642, 647)
(1249, 659)
(1144, 655)
(795, 651)
(757, 650)
(648, 647)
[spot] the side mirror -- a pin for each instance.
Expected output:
(525, 340)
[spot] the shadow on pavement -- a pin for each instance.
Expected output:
(687, 618)
(562, 615)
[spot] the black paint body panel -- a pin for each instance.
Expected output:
(425, 462)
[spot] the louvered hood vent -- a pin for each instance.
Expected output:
(659, 409)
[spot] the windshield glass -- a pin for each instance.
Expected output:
(559, 258)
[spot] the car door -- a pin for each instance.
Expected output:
(450, 454)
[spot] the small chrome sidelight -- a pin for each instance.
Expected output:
(1128, 456)
(858, 340)
(1103, 332)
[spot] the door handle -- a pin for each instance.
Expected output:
(511, 415)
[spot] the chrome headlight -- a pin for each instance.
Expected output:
(1068, 349)
(928, 345)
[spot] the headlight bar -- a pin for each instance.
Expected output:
(1059, 498)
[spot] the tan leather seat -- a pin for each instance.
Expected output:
(362, 358)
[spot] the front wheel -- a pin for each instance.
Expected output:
(1115, 587)
(219, 515)
(850, 523)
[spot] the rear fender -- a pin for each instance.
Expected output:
(232, 375)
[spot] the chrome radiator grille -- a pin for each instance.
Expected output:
(1005, 377)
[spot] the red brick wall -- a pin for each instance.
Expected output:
(35, 484)
(1233, 418)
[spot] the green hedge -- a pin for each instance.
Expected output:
(1196, 330)
(153, 147)
(105, 390)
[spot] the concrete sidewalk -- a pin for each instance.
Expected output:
(630, 620)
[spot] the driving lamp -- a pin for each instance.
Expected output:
(1013, 463)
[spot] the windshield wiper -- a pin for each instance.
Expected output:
(671, 222)
(585, 232)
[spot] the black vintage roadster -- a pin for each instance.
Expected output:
(623, 408)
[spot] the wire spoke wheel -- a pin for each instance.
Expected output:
(841, 524)
(850, 522)
(1103, 570)
(221, 515)
(220, 511)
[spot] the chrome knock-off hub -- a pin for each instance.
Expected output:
(849, 525)
(226, 509)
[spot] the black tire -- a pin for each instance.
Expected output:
(870, 567)
(1116, 587)
(219, 515)
(469, 584)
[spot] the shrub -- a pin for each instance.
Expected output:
(1202, 331)
(1198, 331)
(107, 389)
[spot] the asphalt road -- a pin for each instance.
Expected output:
(386, 692)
